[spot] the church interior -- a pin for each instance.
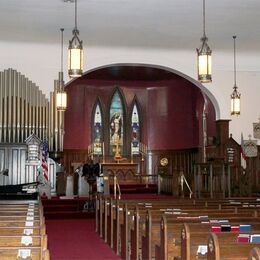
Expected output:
(129, 130)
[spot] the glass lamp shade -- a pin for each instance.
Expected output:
(235, 102)
(61, 101)
(75, 56)
(204, 62)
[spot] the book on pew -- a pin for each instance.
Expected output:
(215, 229)
(225, 228)
(245, 228)
(255, 238)
(243, 238)
(235, 229)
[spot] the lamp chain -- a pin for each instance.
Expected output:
(62, 30)
(75, 14)
(235, 73)
(204, 30)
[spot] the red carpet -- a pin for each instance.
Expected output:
(76, 239)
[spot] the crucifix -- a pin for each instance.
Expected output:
(117, 150)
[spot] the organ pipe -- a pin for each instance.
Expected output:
(23, 106)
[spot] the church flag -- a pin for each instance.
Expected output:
(45, 156)
(243, 154)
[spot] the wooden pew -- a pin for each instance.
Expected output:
(195, 235)
(227, 251)
(169, 230)
(19, 231)
(11, 253)
(11, 240)
(19, 220)
(112, 221)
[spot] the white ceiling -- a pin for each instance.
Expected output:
(173, 24)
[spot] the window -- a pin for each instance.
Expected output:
(116, 123)
(98, 129)
(135, 127)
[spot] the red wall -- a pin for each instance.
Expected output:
(171, 111)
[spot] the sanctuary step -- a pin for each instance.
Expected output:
(72, 208)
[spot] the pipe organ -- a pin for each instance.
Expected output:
(24, 108)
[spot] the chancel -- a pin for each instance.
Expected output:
(129, 150)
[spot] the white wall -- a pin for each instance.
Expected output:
(41, 63)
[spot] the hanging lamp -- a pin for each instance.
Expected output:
(61, 95)
(204, 56)
(235, 96)
(75, 52)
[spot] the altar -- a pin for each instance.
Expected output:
(120, 173)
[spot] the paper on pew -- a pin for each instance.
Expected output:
(28, 231)
(223, 221)
(29, 218)
(29, 223)
(30, 210)
(202, 249)
(31, 214)
(26, 240)
(24, 253)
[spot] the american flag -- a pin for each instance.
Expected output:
(45, 156)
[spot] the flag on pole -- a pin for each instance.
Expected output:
(242, 152)
(45, 156)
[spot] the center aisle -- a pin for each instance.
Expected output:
(70, 239)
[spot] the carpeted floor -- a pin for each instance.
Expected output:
(76, 239)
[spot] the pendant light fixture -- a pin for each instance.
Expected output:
(235, 96)
(204, 56)
(61, 95)
(75, 52)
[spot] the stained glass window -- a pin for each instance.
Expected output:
(135, 124)
(116, 126)
(98, 130)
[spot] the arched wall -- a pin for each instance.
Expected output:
(171, 108)
(174, 71)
